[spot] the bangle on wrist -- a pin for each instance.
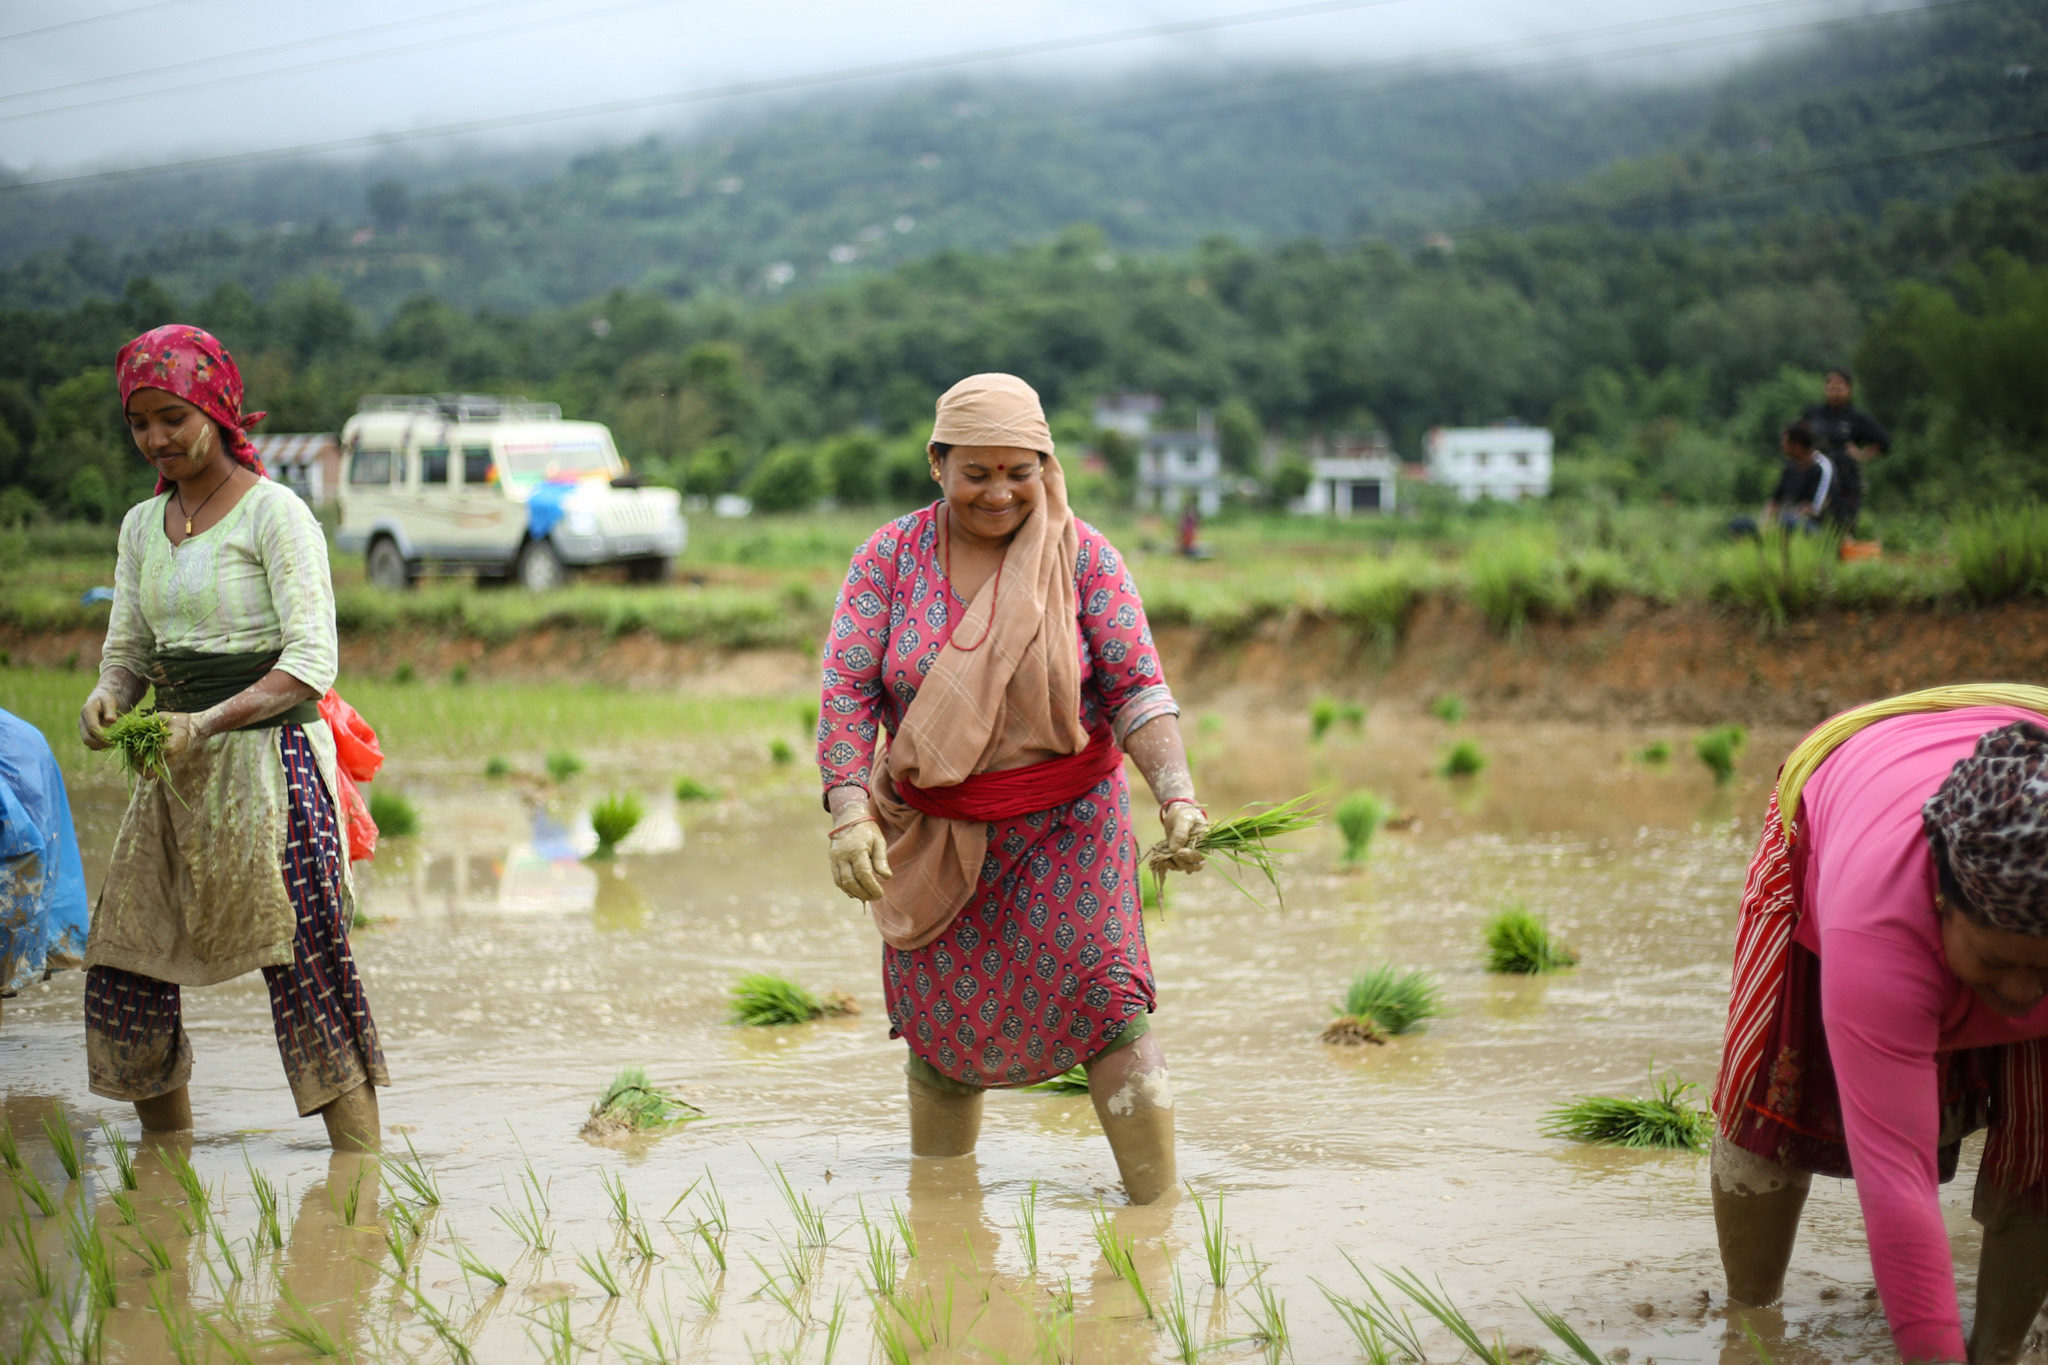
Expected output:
(1182, 801)
(863, 819)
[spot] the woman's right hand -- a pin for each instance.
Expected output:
(860, 853)
(101, 709)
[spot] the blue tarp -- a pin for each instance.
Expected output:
(43, 910)
(544, 508)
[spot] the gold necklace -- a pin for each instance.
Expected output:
(178, 492)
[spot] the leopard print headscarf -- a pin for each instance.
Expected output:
(1992, 813)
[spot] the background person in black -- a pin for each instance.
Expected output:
(1804, 489)
(1847, 436)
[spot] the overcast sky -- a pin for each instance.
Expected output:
(116, 82)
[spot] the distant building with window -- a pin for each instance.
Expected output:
(309, 465)
(1176, 465)
(1506, 463)
(1131, 414)
(1351, 476)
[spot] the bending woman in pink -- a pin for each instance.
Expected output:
(1890, 971)
(1000, 643)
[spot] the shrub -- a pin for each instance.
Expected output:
(787, 481)
(2001, 552)
(1359, 817)
(1391, 1000)
(1719, 747)
(1463, 759)
(393, 814)
(1513, 578)
(1519, 942)
(1777, 576)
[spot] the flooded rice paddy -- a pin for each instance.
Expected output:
(511, 979)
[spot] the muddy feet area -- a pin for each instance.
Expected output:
(748, 1192)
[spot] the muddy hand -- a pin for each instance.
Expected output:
(1185, 824)
(101, 709)
(186, 730)
(860, 855)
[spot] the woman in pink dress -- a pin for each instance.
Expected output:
(1890, 971)
(1000, 643)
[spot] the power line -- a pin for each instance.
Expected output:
(773, 85)
(216, 59)
(91, 19)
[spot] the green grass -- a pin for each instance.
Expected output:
(766, 1000)
(613, 819)
(1778, 576)
(690, 789)
(633, 1104)
(1448, 708)
(562, 765)
(1072, 1081)
(1359, 817)
(1514, 578)
(1667, 1119)
(1520, 942)
(1463, 759)
(2002, 552)
(1391, 1000)
(1719, 747)
(394, 816)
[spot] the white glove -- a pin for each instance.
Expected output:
(1184, 823)
(186, 730)
(101, 709)
(860, 853)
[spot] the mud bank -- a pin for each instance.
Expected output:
(1636, 661)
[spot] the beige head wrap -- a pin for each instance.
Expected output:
(992, 410)
(1013, 700)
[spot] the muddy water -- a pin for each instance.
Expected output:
(511, 979)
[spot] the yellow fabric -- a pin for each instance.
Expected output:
(1831, 733)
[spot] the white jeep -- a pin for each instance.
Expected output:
(504, 488)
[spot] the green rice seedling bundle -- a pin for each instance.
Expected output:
(393, 815)
(1072, 1081)
(1359, 817)
(762, 998)
(1463, 759)
(1657, 751)
(633, 1104)
(1352, 713)
(1322, 714)
(690, 789)
(495, 767)
(1719, 747)
(1520, 942)
(807, 717)
(613, 819)
(1244, 839)
(562, 765)
(780, 752)
(139, 738)
(1384, 1001)
(1667, 1119)
(1448, 708)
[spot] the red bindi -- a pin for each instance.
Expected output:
(1001, 467)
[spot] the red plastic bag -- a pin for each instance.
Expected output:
(359, 758)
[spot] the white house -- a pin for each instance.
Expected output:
(1174, 465)
(309, 465)
(1351, 477)
(1132, 414)
(1504, 462)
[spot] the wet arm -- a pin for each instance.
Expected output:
(1162, 756)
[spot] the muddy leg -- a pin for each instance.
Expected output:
(1756, 1213)
(170, 1112)
(2012, 1282)
(1134, 1101)
(352, 1121)
(941, 1122)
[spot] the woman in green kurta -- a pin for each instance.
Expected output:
(223, 603)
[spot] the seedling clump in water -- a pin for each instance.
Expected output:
(1463, 759)
(690, 789)
(1664, 1120)
(614, 819)
(1359, 817)
(1383, 1001)
(1448, 708)
(1517, 941)
(1719, 747)
(766, 999)
(780, 751)
(1321, 716)
(393, 814)
(632, 1104)
(563, 765)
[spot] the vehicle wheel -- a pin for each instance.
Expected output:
(653, 569)
(540, 568)
(386, 567)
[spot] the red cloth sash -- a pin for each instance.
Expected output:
(1018, 791)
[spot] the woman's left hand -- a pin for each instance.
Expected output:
(186, 730)
(1185, 824)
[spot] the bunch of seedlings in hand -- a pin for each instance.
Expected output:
(764, 999)
(633, 1104)
(1518, 942)
(139, 738)
(1382, 1003)
(1243, 840)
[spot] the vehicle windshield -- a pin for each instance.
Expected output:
(558, 457)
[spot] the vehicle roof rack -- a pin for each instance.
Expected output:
(463, 407)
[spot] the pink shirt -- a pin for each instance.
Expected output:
(1890, 1002)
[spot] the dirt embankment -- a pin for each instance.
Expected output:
(1636, 661)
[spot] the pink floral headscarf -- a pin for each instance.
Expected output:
(190, 363)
